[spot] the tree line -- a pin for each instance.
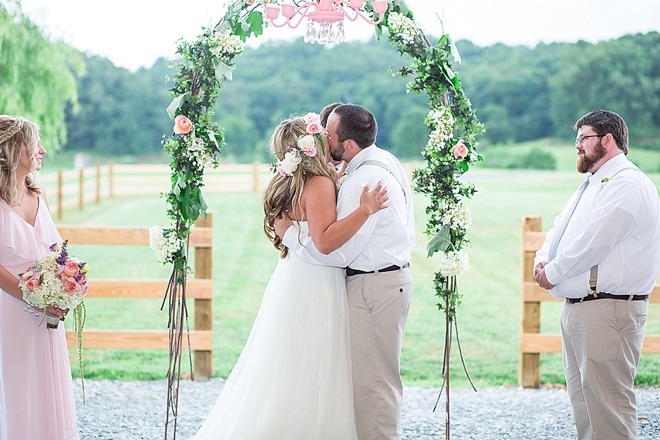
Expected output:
(519, 93)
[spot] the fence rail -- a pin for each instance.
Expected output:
(532, 341)
(199, 288)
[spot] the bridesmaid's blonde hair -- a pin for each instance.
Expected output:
(15, 132)
(284, 191)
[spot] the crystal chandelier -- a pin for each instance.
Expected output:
(325, 18)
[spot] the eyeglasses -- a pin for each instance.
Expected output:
(580, 141)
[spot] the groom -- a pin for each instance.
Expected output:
(377, 261)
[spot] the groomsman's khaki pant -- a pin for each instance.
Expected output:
(602, 342)
(378, 308)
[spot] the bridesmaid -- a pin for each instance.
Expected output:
(36, 389)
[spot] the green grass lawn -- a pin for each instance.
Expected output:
(488, 318)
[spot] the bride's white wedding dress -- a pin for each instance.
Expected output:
(293, 378)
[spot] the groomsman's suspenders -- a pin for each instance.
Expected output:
(386, 168)
(593, 275)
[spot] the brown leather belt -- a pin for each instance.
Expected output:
(593, 296)
(350, 272)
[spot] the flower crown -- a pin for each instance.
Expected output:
(305, 147)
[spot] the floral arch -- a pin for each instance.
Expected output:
(197, 142)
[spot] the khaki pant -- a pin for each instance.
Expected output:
(602, 342)
(378, 308)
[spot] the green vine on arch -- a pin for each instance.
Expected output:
(197, 141)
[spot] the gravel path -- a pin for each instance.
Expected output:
(136, 410)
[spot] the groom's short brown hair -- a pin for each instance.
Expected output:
(357, 123)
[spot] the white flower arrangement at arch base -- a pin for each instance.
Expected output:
(196, 143)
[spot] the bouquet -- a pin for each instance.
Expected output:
(57, 280)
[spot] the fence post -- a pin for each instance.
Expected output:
(203, 307)
(98, 184)
(81, 188)
(60, 194)
(111, 180)
(529, 371)
(255, 177)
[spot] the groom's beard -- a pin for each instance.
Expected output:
(338, 153)
(585, 162)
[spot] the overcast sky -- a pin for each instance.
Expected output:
(134, 33)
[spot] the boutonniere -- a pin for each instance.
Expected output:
(340, 181)
(604, 181)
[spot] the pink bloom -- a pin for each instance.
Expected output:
(32, 283)
(312, 117)
(70, 268)
(460, 150)
(83, 288)
(314, 127)
(182, 125)
(310, 152)
(281, 171)
(71, 285)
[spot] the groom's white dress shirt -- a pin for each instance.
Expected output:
(388, 236)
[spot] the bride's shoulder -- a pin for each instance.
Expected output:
(320, 183)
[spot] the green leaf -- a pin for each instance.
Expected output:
(222, 71)
(440, 242)
(176, 103)
(256, 21)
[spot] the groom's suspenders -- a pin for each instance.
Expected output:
(386, 168)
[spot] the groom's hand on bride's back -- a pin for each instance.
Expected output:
(282, 223)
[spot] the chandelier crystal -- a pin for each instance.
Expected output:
(325, 18)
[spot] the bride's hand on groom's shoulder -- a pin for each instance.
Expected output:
(282, 223)
(374, 200)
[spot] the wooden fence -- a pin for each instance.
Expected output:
(77, 188)
(199, 288)
(532, 341)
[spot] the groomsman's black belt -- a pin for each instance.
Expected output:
(350, 272)
(593, 296)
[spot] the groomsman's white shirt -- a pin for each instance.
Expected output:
(616, 226)
(388, 236)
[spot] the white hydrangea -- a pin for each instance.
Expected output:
(441, 121)
(197, 152)
(457, 216)
(228, 45)
(164, 243)
(453, 263)
(403, 27)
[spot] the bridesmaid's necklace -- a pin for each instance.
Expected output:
(21, 198)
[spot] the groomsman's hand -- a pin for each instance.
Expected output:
(542, 280)
(282, 224)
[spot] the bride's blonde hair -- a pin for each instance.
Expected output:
(14, 132)
(284, 191)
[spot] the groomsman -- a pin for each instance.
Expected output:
(377, 262)
(603, 256)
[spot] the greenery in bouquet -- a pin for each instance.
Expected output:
(60, 280)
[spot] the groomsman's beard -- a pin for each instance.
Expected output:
(585, 162)
(338, 153)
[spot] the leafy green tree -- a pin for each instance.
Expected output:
(37, 76)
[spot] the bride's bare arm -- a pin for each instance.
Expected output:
(319, 203)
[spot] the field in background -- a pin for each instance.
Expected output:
(488, 319)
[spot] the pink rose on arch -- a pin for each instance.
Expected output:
(182, 125)
(71, 269)
(460, 150)
(32, 283)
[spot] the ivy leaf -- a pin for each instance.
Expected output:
(176, 103)
(222, 71)
(440, 242)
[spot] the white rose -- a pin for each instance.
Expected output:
(290, 163)
(306, 142)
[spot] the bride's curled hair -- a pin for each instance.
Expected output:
(284, 191)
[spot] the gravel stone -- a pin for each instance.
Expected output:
(117, 410)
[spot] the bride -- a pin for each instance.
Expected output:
(293, 379)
